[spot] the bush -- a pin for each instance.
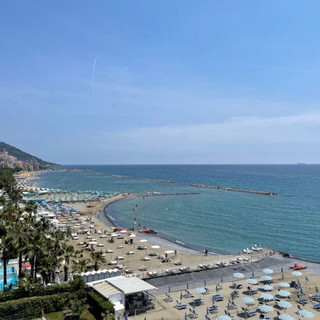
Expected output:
(33, 306)
(99, 305)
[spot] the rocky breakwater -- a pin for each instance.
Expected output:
(264, 193)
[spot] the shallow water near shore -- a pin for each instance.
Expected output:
(222, 221)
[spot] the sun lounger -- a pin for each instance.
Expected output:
(213, 309)
(251, 314)
(316, 306)
(197, 302)
(181, 306)
(217, 297)
(168, 298)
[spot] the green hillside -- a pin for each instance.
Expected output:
(23, 156)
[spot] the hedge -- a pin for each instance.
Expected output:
(19, 293)
(99, 305)
(33, 306)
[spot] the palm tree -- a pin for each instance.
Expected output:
(97, 258)
(69, 252)
(80, 265)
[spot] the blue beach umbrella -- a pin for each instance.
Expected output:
(267, 296)
(286, 317)
(265, 308)
(252, 281)
(248, 301)
(267, 271)
(306, 314)
(224, 317)
(267, 287)
(284, 284)
(284, 304)
(284, 293)
(266, 278)
(296, 273)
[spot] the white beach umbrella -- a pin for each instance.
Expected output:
(284, 293)
(284, 284)
(284, 304)
(248, 301)
(155, 247)
(265, 308)
(252, 281)
(123, 231)
(224, 317)
(296, 273)
(285, 317)
(266, 278)
(143, 240)
(267, 271)
(306, 314)
(238, 275)
(169, 251)
(267, 287)
(132, 235)
(267, 296)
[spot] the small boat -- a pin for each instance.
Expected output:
(145, 230)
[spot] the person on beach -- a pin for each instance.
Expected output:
(205, 251)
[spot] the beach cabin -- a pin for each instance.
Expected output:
(129, 295)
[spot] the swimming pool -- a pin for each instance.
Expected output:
(12, 278)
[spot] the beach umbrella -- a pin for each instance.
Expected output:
(264, 308)
(285, 317)
(238, 275)
(284, 284)
(267, 287)
(252, 281)
(143, 240)
(306, 314)
(248, 301)
(123, 231)
(155, 247)
(224, 317)
(284, 293)
(267, 296)
(132, 236)
(267, 271)
(200, 290)
(296, 273)
(266, 278)
(169, 251)
(284, 304)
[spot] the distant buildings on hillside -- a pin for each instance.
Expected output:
(8, 161)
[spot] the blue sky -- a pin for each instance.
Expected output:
(138, 82)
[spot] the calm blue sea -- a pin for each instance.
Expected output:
(222, 221)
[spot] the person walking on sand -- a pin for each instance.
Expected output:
(205, 251)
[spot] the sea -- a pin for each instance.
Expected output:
(224, 222)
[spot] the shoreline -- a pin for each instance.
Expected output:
(155, 239)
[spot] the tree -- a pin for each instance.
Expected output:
(97, 257)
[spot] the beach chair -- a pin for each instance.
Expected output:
(168, 298)
(316, 306)
(207, 291)
(181, 306)
(251, 314)
(213, 309)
